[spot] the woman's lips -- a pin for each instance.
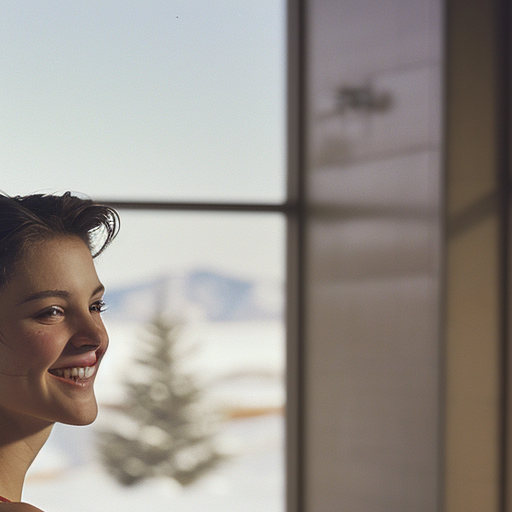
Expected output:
(87, 360)
(79, 370)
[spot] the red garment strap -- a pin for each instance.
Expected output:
(4, 499)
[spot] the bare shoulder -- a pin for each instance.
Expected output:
(18, 507)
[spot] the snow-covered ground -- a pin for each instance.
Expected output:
(241, 365)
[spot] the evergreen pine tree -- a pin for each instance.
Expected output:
(173, 435)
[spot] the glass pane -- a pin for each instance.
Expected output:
(143, 99)
(221, 276)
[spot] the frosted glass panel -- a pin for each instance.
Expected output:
(144, 99)
(373, 251)
(215, 283)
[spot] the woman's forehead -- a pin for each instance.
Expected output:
(61, 264)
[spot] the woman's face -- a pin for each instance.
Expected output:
(52, 337)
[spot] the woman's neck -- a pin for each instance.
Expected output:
(19, 445)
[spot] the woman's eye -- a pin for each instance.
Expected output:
(99, 306)
(53, 312)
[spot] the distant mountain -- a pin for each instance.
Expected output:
(200, 293)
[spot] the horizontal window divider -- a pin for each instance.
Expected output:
(287, 207)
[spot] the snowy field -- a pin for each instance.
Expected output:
(240, 365)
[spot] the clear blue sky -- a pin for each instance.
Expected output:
(143, 98)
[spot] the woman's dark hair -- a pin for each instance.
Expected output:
(26, 220)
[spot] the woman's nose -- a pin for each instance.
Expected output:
(90, 331)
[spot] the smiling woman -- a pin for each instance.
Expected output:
(52, 337)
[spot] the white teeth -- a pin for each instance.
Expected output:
(75, 373)
(89, 371)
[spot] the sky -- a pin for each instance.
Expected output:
(143, 99)
(151, 100)
(149, 244)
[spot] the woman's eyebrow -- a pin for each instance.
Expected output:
(100, 289)
(45, 294)
(63, 294)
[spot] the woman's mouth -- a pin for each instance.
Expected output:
(75, 373)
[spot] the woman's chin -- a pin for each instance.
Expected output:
(81, 417)
(78, 422)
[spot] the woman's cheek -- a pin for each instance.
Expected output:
(42, 345)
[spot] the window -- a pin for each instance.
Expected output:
(173, 112)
